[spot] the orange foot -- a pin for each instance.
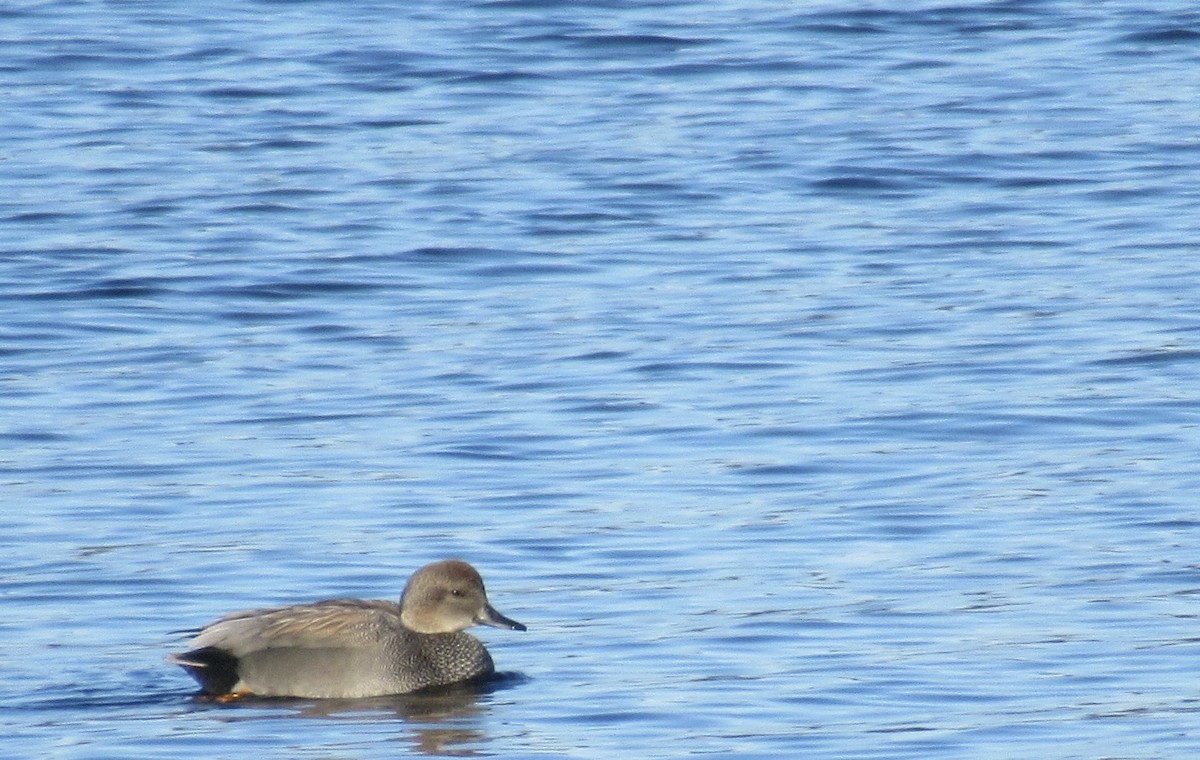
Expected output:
(233, 696)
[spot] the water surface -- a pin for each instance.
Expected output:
(813, 380)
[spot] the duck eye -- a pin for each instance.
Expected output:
(457, 592)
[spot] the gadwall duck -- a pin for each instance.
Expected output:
(347, 648)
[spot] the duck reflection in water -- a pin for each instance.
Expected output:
(442, 720)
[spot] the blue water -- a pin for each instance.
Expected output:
(813, 379)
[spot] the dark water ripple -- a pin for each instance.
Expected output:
(811, 379)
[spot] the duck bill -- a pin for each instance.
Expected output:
(496, 620)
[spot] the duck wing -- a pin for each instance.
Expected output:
(334, 623)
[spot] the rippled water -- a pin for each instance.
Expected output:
(812, 379)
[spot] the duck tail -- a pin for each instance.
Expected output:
(214, 669)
